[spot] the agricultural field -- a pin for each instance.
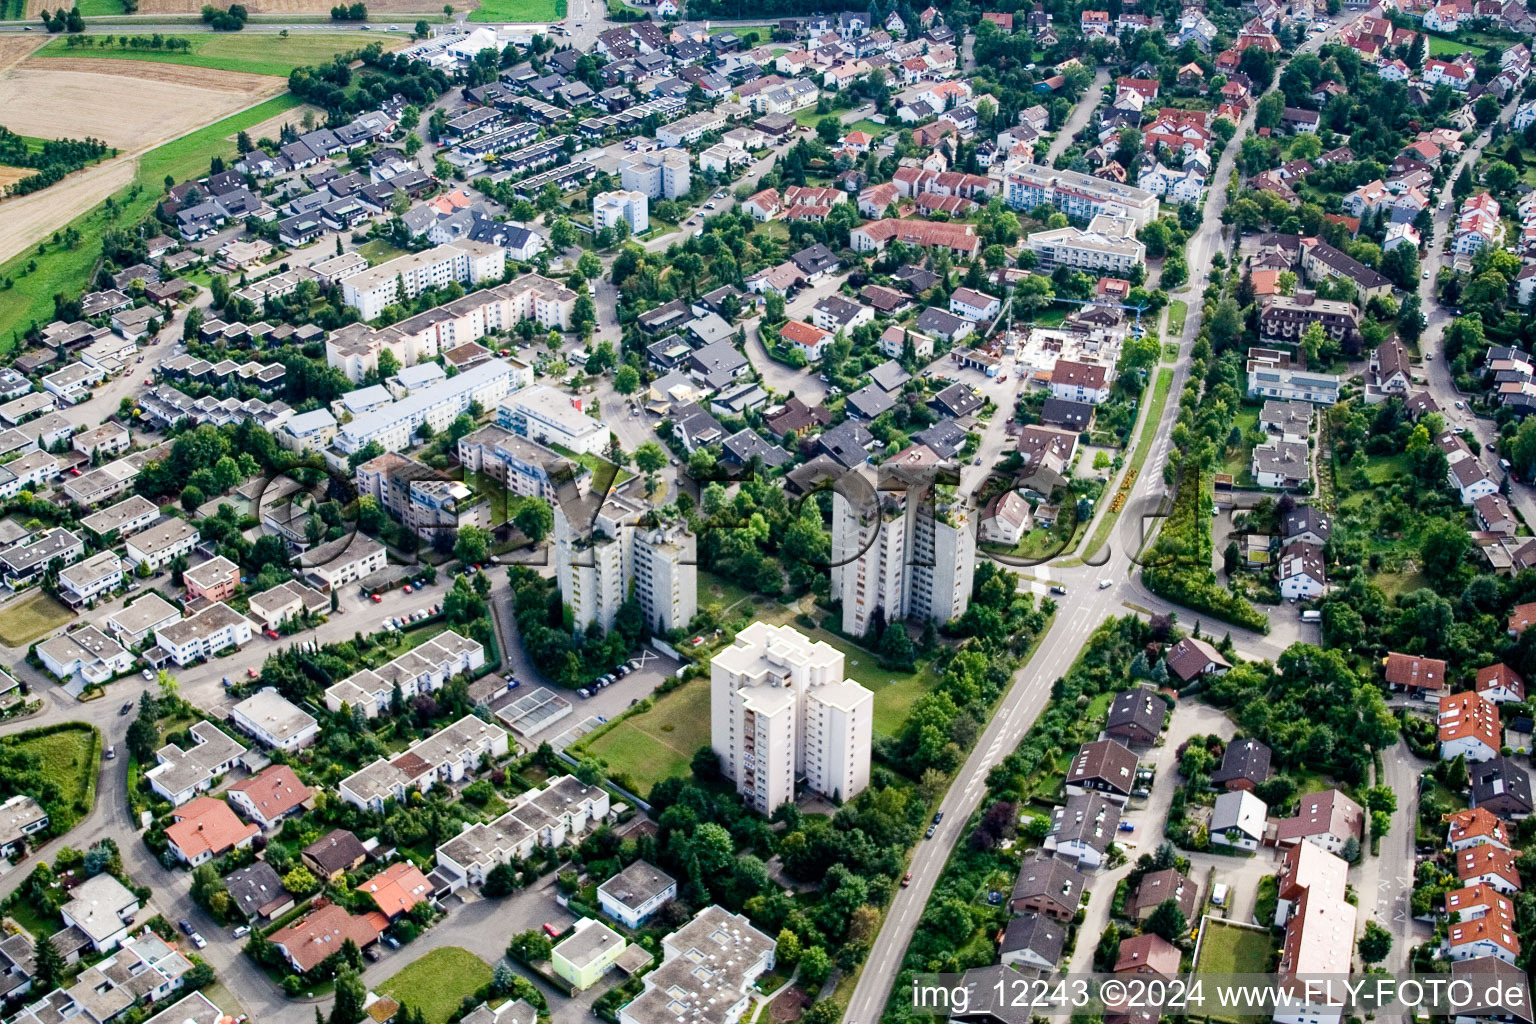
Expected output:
(251, 54)
(438, 982)
(519, 10)
(31, 618)
(36, 278)
(378, 10)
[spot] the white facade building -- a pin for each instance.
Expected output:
(466, 262)
(621, 207)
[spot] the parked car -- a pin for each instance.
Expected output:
(938, 817)
(112, 753)
(1058, 589)
(929, 833)
(551, 930)
(252, 673)
(377, 598)
(242, 931)
(148, 673)
(127, 707)
(185, 926)
(906, 879)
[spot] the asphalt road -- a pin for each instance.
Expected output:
(1080, 611)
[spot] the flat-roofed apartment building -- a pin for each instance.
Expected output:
(126, 518)
(135, 623)
(90, 578)
(464, 261)
(1271, 375)
(354, 349)
(26, 560)
(1082, 196)
(159, 545)
(182, 774)
(213, 580)
(353, 558)
(549, 416)
(562, 809)
(203, 634)
(274, 720)
(781, 709)
(1108, 245)
(708, 969)
(447, 755)
(396, 426)
(422, 669)
(525, 468)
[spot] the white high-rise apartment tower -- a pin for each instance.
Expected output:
(899, 552)
(781, 710)
(596, 559)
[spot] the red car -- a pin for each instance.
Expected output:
(271, 633)
(252, 673)
(377, 598)
(906, 880)
(552, 931)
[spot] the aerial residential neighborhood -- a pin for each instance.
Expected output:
(664, 512)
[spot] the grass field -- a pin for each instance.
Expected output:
(1177, 311)
(1230, 949)
(764, 32)
(719, 590)
(24, 621)
(879, 131)
(98, 8)
(1439, 46)
(658, 743)
(37, 278)
(519, 10)
(438, 982)
(256, 54)
(69, 760)
(377, 251)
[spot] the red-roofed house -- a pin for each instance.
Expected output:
(1466, 829)
(1095, 24)
(1488, 865)
(1500, 684)
(1328, 819)
(397, 889)
(1522, 616)
(1493, 934)
(206, 828)
(311, 940)
(271, 796)
(1002, 21)
(1469, 727)
(811, 340)
(1411, 672)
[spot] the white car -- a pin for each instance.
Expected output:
(199, 941)
(1105, 584)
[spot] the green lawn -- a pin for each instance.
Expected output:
(869, 127)
(30, 618)
(1439, 46)
(70, 757)
(764, 32)
(895, 692)
(437, 983)
(519, 10)
(264, 54)
(659, 743)
(719, 590)
(1230, 949)
(377, 251)
(1239, 460)
(1178, 309)
(810, 119)
(98, 8)
(35, 279)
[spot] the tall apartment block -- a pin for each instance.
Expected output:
(660, 174)
(627, 206)
(597, 558)
(901, 554)
(781, 711)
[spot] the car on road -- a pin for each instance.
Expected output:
(127, 707)
(242, 931)
(906, 879)
(720, 194)
(929, 833)
(148, 673)
(1126, 826)
(198, 940)
(377, 598)
(1461, 405)
(1105, 584)
(406, 588)
(938, 817)
(1058, 589)
(112, 753)
(1426, 273)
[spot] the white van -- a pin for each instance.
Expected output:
(1219, 894)
(1312, 616)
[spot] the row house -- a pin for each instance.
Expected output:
(420, 670)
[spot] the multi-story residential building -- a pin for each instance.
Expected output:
(88, 652)
(1319, 932)
(161, 544)
(1469, 727)
(548, 416)
(125, 518)
(898, 554)
(956, 239)
(275, 721)
(270, 797)
(88, 579)
(781, 709)
(635, 893)
(1477, 225)
(659, 174)
(565, 808)
(396, 426)
(29, 557)
(203, 634)
(464, 261)
(355, 349)
(600, 552)
(1078, 381)
(1077, 195)
(1271, 375)
(447, 755)
(361, 558)
(626, 207)
(1108, 245)
(181, 774)
(712, 961)
(523, 467)
(213, 580)
(422, 669)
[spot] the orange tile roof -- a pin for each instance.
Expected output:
(312, 939)
(397, 888)
(1470, 715)
(1487, 859)
(1522, 616)
(1500, 675)
(1478, 823)
(275, 792)
(1413, 671)
(206, 825)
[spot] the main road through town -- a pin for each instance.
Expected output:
(1080, 611)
